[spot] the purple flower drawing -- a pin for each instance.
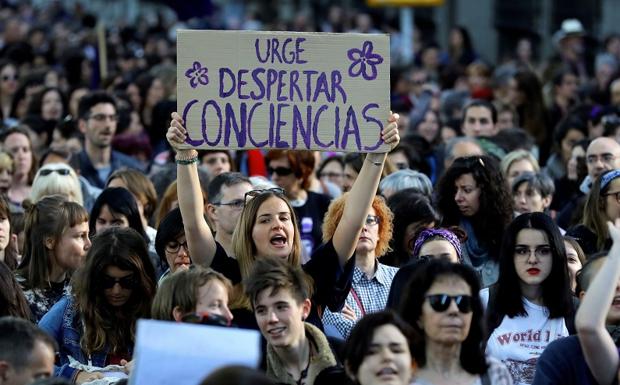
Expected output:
(197, 74)
(364, 61)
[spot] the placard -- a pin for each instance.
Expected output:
(286, 90)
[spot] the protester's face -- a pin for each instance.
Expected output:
(107, 218)
(505, 120)
(612, 203)
(367, 241)
(6, 176)
(429, 128)
(118, 294)
(467, 196)
(228, 215)
(177, 254)
(70, 250)
(273, 230)
(99, 125)
(478, 122)
(568, 88)
(280, 317)
(533, 257)
(439, 248)
(450, 326)
(283, 175)
(350, 175)
(603, 154)
(40, 365)
(573, 263)
(213, 299)
(571, 167)
(333, 172)
(51, 106)
(572, 137)
(8, 80)
(18, 145)
(517, 168)
(399, 160)
(387, 360)
(216, 163)
(529, 200)
(5, 232)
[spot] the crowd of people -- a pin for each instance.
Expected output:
(482, 248)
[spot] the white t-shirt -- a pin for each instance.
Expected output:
(519, 341)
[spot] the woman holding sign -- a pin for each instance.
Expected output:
(267, 227)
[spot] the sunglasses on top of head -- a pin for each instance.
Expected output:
(60, 171)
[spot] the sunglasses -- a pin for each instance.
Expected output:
(60, 171)
(441, 302)
(128, 282)
(6, 78)
(281, 171)
(254, 193)
(205, 319)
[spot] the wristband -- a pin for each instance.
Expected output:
(189, 158)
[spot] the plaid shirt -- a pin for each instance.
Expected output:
(371, 293)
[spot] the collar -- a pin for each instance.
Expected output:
(380, 275)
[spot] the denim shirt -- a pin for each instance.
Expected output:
(63, 323)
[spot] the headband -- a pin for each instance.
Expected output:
(608, 177)
(430, 233)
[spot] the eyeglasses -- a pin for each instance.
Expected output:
(281, 171)
(254, 193)
(205, 319)
(236, 204)
(605, 158)
(539, 251)
(174, 247)
(128, 282)
(330, 175)
(372, 220)
(60, 171)
(441, 302)
(615, 194)
(6, 78)
(104, 117)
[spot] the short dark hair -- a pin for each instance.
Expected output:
(540, 182)
(17, 340)
(90, 100)
(472, 356)
(170, 228)
(360, 339)
(277, 274)
(480, 103)
(214, 190)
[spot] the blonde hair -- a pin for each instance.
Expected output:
(56, 184)
(515, 156)
(334, 214)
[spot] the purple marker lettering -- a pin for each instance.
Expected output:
(315, 128)
(218, 111)
(299, 50)
(259, 84)
(189, 140)
(281, 85)
(298, 126)
(272, 118)
(309, 74)
(256, 44)
(369, 118)
(241, 83)
(291, 53)
(337, 85)
(272, 77)
(337, 125)
(231, 75)
(275, 44)
(321, 87)
(279, 124)
(231, 123)
(250, 115)
(351, 128)
(294, 87)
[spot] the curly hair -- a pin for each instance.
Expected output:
(334, 214)
(495, 210)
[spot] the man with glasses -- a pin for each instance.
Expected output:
(97, 121)
(226, 200)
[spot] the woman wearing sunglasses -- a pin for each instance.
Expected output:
(96, 324)
(443, 307)
(268, 227)
(531, 304)
(56, 178)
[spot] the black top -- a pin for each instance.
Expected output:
(399, 284)
(315, 208)
(562, 363)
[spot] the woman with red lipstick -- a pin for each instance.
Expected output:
(96, 324)
(531, 305)
(268, 227)
(442, 305)
(472, 195)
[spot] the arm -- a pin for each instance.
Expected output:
(359, 199)
(197, 232)
(598, 347)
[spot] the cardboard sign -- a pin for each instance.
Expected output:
(184, 354)
(320, 91)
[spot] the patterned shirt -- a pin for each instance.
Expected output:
(42, 300)
(366, 296)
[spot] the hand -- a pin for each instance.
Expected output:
(348, 313)
(84, 377)
(127, 366)
(390, 133)
(176, 132)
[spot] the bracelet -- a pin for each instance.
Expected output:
(186, 162)
(378, 164)
(191, 157)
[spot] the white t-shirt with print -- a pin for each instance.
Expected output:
(519, 341)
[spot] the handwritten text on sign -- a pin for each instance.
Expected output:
(239, 89)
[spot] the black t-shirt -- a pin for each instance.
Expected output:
(562, 363)
(314, 209)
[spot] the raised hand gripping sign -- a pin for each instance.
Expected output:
(286, 90)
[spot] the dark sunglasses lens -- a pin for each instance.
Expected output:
(282, 171)
(439, 302)
(463, 303)
(125, 282)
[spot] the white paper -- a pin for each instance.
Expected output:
(184, 354)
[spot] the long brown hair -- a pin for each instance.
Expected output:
(12, 300)
(104, 325)
(10, 252)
